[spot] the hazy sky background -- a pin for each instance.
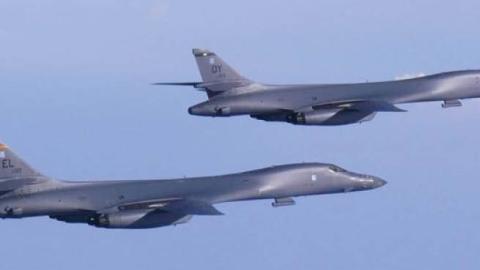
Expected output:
(76, 102)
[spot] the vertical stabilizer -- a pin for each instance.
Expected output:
(216, 74)
(11, 166)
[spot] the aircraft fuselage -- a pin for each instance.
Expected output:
(263, 99)
(274, 182)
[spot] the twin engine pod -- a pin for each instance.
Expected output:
(330, 117)
(320, 117)
(138, 219)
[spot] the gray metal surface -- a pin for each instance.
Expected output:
(155, 203)
(231, 94)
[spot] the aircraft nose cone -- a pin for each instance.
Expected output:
(378, 182)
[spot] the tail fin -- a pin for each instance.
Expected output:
(214, 70)
(217, 75)
(14, 172)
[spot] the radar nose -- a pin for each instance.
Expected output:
(378, 182)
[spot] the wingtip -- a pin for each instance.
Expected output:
(217, 213)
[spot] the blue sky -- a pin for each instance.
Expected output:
(76, 103)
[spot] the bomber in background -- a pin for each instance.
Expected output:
(230, 94)
(136, 204)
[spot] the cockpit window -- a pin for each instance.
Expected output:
(336, 168)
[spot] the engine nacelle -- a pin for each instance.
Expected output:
(330, 117)
(138, 219)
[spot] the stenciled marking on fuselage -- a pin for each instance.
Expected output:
(7, 164)
(216, 69)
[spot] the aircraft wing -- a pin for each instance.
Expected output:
(332, 113)
(142, 214)
(174, 205)
(360, 105)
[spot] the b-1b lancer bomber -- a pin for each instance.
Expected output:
(128, 204)
(230, 94)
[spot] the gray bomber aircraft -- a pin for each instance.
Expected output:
(232, 94)
(154, 203)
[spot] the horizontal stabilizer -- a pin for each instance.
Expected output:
(14, 183)
(194, 84)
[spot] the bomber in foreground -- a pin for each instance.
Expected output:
(154, 203)
(231, 94)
